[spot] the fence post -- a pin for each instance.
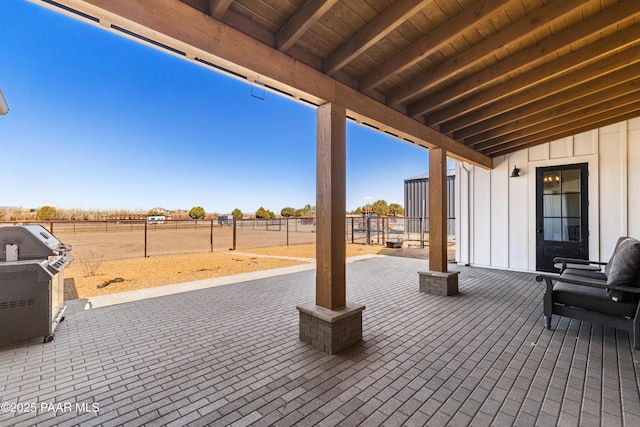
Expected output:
(51, 227)
(211, 236)
(145, 239)
(287, 220)
(421, 234)
(352, 232)
(234, 234)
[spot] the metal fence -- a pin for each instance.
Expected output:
(111, 239)
(407, 231)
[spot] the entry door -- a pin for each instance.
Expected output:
(562, 227)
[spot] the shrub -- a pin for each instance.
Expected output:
(91, 265)
(46, 213)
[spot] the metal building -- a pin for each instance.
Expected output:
(416, 198)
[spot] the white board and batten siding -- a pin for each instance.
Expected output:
(497, 214)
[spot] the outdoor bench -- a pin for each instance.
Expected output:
(608, 297)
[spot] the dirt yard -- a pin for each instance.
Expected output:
(119, 241)
(86, 278)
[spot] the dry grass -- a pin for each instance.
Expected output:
(140, 273)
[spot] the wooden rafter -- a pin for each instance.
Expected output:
(382, 25)
(499, 41)
(565, 117)
(217, 8)
(563, 65)
(546, 48)
(536, 114)
(556, 85)
(480, 11)
(300, 23)
(605, 119)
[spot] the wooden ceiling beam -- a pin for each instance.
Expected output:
(537, 76)
(561, 84)
(546, 48)
(605, 118)
(301, 22)
(499, 41)
(594, 125)
(179, 26)
(580, 113)
(387, 21)
(598, 84)
(217, 8)
(540, 112)
(478, 12)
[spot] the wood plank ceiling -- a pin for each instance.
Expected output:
(497, 76)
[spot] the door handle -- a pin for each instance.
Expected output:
(540, 229)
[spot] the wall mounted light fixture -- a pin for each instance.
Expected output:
(516, 172)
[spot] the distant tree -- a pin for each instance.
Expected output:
(299, 213)
(154, 212)
(262, 213)
(380, 207)
(358, 210)
(396, 209)
(237, 214)
(288, 212)
(197, 212)
(309, 211)
(46, 213)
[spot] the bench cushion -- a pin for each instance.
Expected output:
(624, 267)
(613, 255)
(597, 275)
(593, 299)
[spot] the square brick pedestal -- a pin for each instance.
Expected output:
(330, 330)
(436, 283)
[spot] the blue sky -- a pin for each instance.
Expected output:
(98, 121)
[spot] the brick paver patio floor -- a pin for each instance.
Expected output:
(229, 355)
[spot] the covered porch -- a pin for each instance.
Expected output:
(480, 358)
(492, 85)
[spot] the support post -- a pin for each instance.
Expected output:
(331, 172)
(331, 324)
(438, 280)
(438, 210)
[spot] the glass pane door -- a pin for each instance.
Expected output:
(561, 202)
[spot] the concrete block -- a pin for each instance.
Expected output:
(438, 283)
(330, 330)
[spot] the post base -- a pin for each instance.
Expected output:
(331, 330)
(437, 283)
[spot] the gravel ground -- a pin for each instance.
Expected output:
(87, 279)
